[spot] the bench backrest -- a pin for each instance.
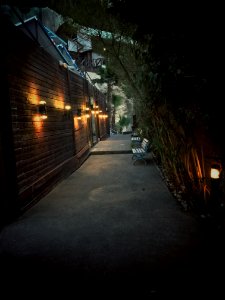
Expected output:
(144, 144)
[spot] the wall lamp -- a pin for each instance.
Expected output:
(79, 113)
(63, 64)
(42, 110)
(215, 193)
(67, 107)
(215, 171)
(67, 111)
(87, 111)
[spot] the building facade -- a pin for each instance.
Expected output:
(51, 117)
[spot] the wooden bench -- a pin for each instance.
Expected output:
(139, 152)
(135, 141)
(136, 138)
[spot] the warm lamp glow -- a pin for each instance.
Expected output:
(42, 102)
(215, 171)
(37, 121)
(67, 107)
(43, 117)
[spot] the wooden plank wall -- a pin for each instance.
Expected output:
(46, 151)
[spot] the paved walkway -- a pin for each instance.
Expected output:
(115, 144)
(110, 230)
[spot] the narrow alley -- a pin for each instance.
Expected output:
(111, 228)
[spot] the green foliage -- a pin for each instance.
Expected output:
(107, 75)
(116, 100)
(123, 122)
(67, 30)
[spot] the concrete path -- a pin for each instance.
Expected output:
(110, 230)
(115, 144)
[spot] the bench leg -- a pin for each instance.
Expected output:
(139, 157)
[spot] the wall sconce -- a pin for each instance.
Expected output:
(87, 111)
(79, 113)
(92, 109)
(215, 171)
(42, 110)
(67, 111)
(67, 107)
(63, 64)
(215, 192)
(95, 109)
